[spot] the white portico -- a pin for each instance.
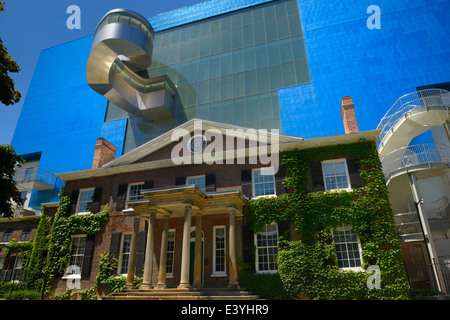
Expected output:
(186, 201)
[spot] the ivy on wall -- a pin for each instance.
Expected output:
(308, 265)
(64, 226)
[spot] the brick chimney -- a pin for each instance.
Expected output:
(104, 153)
(348, 115)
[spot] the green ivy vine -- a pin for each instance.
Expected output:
(307, 265)
(64, 226)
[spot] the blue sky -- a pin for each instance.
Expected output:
(29, 26)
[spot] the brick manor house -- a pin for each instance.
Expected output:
(184, 225)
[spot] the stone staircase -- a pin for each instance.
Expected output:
(183, 294)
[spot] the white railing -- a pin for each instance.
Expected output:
(415, 155)
(408, 226)
(28, 175)
(411, 102)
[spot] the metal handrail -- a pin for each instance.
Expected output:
(37, 174)
(415, 155)
(411, 102)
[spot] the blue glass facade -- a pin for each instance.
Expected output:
(258, 63)
(374, 66)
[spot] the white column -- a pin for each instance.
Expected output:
(163, 256)
(198, 252)
(232, 244)
(133, 249)
(149, 251)
(185, 254)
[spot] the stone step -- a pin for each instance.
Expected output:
(183, 294)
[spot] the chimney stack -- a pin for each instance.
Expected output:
(104, 153)
(348, 115)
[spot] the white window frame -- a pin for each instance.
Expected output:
(130, 185)
(345, 228)
(75, 275)
(171, 231)
(349, 187)
(17, 267)
(197, 177)
(253, 183)
(79, 200)
(122, 253)
(265, 247)
(222, 273)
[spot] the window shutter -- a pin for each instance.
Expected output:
(88, 254)
(279, 177)
(140, 253)
(121, 196)
(248, 246)
(96, 200)
(246, 182)
(114, 247)
(179, 181)
(74, 201)
(284, 229)
(210, 182)
(353, 172)
(317, 176)
(148, 184)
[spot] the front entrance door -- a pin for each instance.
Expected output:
(192, 258)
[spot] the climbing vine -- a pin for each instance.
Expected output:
(307, 265)
(64, 226)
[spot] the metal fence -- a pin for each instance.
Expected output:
(420, 154)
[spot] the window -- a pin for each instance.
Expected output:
(170, 252)
(134, 191)
(85, 200)
(125, 252)
(263, 182)
(335, 174)
(76, 255)
(219, 250)
(266, 248)
(26, 233)
(199, 181)
(7, 234)
(348, 248)
(17, 274)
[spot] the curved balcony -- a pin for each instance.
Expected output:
(412, 115)
(417, 157)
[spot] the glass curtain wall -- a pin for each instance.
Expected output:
(229, 68)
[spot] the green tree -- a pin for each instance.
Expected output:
(8, 94)
(8, 187)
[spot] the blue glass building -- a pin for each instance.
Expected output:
(266, 64)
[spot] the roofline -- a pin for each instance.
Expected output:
(371, 135)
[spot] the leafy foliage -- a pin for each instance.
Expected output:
(65, 225)
(8, 94)
(308, 266)
(8, 188)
